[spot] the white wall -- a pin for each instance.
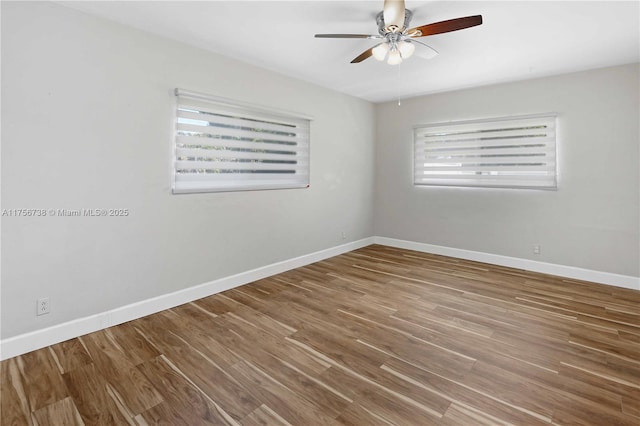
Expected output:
(591, 221)
(87, 119)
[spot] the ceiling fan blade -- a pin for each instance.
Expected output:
(361, 57)
(446, 26)
(425, 52)
(345, 36)
(393, 13)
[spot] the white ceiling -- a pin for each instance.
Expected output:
(518, 39)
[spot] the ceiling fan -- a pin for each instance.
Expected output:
(398, 40)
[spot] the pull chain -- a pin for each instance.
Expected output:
(398, 86)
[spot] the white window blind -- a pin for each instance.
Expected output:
(515, 152)
(222, 145)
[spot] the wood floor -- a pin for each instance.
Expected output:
(378, 336)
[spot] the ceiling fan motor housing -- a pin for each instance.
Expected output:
(382, 28)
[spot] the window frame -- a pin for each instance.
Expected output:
(231, 151)
(518, 179)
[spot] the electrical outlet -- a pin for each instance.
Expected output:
(536, 249)
(344, 235)
(43, 306)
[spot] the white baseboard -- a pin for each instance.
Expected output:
(28, 342)
(617, 280)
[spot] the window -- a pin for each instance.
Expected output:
(515, 152)
(222, 145)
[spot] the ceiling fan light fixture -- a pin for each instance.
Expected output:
(397, 40)
(380, 51)
(394, 57)
(406, 49)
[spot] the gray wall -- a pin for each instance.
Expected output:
(87, 121)
(591, 221)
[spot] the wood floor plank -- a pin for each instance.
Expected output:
(325, 398)
(588, 414)
(213, 379)
(89, 391)
(41, 379)
(199, 335)
(218, 304)
(263, 416)
(460, 415)
(631, 404)
(195, 311)
(356, 415)
(377, 336)
(112, 362)
(139, 349)
(278, 347)
(395, 410)
(14, 409)
(70, 354)
(287, 404)
(63, 412)
(183, 402)
(463, 394)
